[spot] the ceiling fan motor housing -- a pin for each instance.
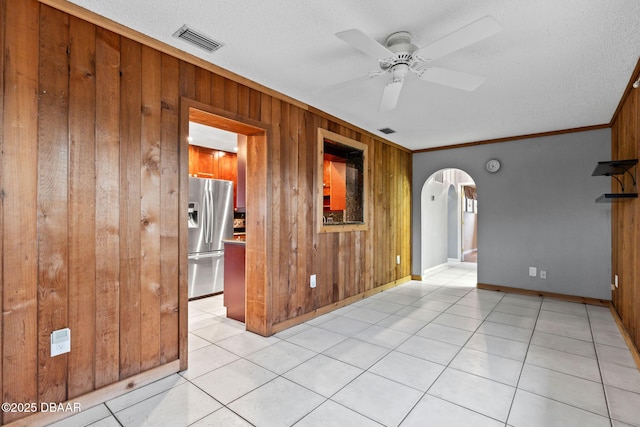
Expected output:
(400, 44)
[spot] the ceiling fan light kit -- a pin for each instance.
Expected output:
(401, 55)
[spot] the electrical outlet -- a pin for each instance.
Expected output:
(398, 259)
(543, 274)
(533, 271)
(616, 280)
(60, 341)
(312, 281)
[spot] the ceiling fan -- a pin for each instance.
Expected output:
(400, 55)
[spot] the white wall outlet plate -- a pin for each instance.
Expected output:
(398, 259)
(312, 281)
(60, 341)
(543, 274)
(533, 271)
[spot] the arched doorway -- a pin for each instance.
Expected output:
(449, 222)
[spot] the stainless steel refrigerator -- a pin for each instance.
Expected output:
(210, 221)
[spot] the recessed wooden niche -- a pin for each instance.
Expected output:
(343, 179)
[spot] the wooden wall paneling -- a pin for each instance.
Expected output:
(170, 174)
(150, 280)
(276, 202)
(183, 201)
(629, 149)
(260, 288)
(370, 217)
(52, 154)
(307, 237)
(107, 238)
(282, 215)
(187, 80)
(631, 285)
(291, 215)
(130, 248)
(243, 101)
(20, 268)
(217, 91)
(615, 212)
(203, 85)
(2, 160)
(231, 96)
(625, 229)
(255, 103)
(82, 202)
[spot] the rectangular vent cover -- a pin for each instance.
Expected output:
(387, 130)
(197, 39)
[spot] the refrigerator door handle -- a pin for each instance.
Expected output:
(204, 255)
(206, 208)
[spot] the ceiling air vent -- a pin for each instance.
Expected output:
(387, 131)
(197, 39)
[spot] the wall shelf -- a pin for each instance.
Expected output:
(613, 168)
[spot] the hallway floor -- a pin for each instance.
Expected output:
(433, 353)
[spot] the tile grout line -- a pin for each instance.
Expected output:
(526, 355)
(595, 350)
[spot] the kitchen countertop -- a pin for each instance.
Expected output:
(235, 241)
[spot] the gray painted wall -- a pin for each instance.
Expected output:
(434, 202)
(539, 210)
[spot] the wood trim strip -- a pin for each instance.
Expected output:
(564, 297)
(634, 75)
(625, 334)
(515, 138)
(278, 327)
(97, 397)
(134, 35)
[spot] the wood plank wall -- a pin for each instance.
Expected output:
(90, 218)
(625, 226)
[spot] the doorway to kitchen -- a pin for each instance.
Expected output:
(247, 169)
(449, 221)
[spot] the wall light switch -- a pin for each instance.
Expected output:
(398, 259)
(543, 274)
(312, 281)
(60, 341)
(533, 271)
(616, 280)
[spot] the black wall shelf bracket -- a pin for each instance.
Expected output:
(613, 168)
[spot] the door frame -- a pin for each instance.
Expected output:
(258, 293)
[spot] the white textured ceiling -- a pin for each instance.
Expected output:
(557, 64)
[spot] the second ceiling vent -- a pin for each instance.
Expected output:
(197, 39)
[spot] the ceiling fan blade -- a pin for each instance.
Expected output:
(391, 94)
(465, 36)
(455, 79)
(364, 43)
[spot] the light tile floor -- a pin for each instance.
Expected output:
(433, 353)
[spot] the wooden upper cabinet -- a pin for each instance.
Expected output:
(338, 192)
(227, 166)
(194, 158)
(207, 163)
(334, 186)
